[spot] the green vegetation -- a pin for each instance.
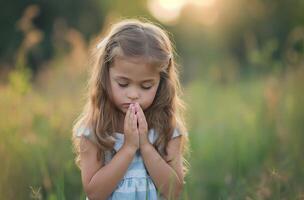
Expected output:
(243, 84)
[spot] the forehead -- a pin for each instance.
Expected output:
(135, 69)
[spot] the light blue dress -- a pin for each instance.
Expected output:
(136, 183)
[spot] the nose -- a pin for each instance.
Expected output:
(133, 94)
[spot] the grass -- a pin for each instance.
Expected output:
(246, 136)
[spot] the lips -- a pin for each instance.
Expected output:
(126, 105)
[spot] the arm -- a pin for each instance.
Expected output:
(99, 182)
(167, 174)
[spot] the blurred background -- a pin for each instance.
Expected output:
(242, 70)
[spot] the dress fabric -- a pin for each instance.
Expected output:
(136, 184)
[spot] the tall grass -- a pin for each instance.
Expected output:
(246, 135)
(246, 138)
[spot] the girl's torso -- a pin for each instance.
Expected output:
(136, 183)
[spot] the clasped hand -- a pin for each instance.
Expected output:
(135, 127)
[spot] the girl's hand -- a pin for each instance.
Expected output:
(142, 126)
(130, 129)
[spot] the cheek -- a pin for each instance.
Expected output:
(153, 92)
(116, 91)
(151, 95)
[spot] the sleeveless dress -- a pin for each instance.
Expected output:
(136, 184)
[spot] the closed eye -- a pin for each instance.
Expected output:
(126, 84)
(123, 85)
(146, 87)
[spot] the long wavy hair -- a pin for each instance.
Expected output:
(133, 39)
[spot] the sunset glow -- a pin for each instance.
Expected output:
(169, 11)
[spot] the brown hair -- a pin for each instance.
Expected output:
(133, 38)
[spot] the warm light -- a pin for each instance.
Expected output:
(202, 3)
(209, 18)
(166, 11)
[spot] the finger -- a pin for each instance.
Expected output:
(139, 109)
(141, 114)
(139, 121)
(131, 116)
(142, 124)
(127, 114)
(138, 114)
(134, 122)
(127, 117)
(136, 108)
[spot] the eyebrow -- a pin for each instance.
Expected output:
(125, 78)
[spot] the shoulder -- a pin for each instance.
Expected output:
(174, 155)
(87, 144)
(87, 140)
(176, 133)
(174, 145)
(88, 153)
(85, 132)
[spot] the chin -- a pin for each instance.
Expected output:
(123, 110)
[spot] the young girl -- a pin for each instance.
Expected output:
(130, 138)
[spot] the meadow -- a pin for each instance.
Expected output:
(246, 134)
(242, 79)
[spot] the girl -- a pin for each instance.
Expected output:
(130, 138)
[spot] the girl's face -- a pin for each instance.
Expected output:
(133, 80)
